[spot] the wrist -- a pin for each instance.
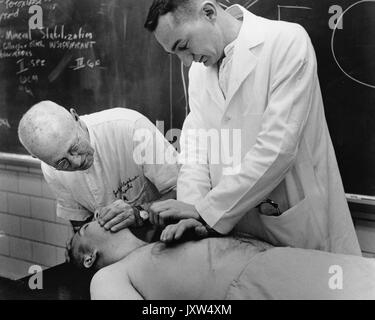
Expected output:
(141, 215)
(145, 206)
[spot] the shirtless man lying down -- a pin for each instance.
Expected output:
(215, 268)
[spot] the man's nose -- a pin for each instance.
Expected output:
(75, 161)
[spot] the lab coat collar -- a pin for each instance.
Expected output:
(244, 61)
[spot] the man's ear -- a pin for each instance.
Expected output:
(90, 258)
(209, 10)
(74, 113)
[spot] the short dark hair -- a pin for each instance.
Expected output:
(162, 7)
(74, 256)
(71, 256)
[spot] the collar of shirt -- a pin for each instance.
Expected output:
(225, 67)
(226, 63)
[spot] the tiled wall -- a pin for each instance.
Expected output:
(30, 232)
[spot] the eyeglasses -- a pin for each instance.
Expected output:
(65, 163)
(269, 208)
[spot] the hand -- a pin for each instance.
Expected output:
(118, 215)
(171, 209)
(175, 231)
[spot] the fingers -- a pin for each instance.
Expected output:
(101, 212)
(180, 230)
(170, 214)
(156, 218)
(168, 233)
(175, 231)
(160, 206)
(122, 225)
(120, 221)
(107, 217)
(106, 214)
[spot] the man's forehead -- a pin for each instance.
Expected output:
(59, 143)
(167, 31)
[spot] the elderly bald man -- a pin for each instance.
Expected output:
(96, 164)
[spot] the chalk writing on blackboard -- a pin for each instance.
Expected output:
(4, 123)
(247, 4)
(347, 73)
(279, 9)
(25, 43)
(82, 62)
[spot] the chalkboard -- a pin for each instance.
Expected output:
(343, 35)
(90, 55)
(126, 67)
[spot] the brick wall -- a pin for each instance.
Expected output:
(30, 232)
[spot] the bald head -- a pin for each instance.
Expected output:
(42, 126)
(49, 131)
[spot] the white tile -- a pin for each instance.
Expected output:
(19, 204)
(37, 171)
(60, 252)
(30, 184)
(56, 234)
(4, 245)
(44, 254)
(63, 221)
(46, 190)
(20, 249)
(32, 229)
(9, 224)
(3, 202)
(43, 209)
(8, 181)
(17, 168)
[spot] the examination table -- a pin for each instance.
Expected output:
(62, 282)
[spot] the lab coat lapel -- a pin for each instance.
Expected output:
(244, 60)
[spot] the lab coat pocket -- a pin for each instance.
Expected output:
(295, 227)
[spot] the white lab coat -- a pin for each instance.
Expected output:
(287, 154)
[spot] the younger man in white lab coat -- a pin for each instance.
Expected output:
(258, 76)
